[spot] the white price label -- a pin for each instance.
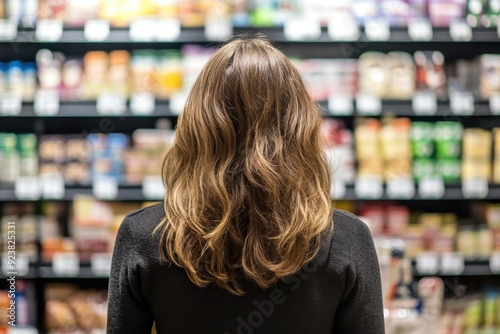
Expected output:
(427, 263)
(142, 103)
(378, 29)
(15, 264)
(142, 30)
(338, 189)
(105, 188)
(340, 104)
(46, 102)
(369, 187)
(10, 104)
(177, 102)
(96, 30)
(168, 29)
(218, 29)
(400, 187)
(424, 103)
(495, 262)
(495, 103)
(152, 188)
(100, 264)
(460, 31)
(111, 103)
(420, 30)
(452, 263)
(66, 264)
(49, 30)
(367, 104)
(462, 103)
(431, 187)
(28, 188)
(343, 28)
(475, 188)
(298, 28)
(8, 30)
(52, 186)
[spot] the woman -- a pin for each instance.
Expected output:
(246, 240)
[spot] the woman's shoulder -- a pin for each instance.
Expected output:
(141, 223)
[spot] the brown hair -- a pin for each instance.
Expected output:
(247, 183)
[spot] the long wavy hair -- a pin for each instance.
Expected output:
(247, 185)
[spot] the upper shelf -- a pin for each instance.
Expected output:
(198, 35)
(162, 108)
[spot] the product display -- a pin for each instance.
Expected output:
(71, 310)
(410, 93)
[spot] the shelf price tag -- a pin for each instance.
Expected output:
(368, 105)
(96, 30)
(142, 103)
(105, 188)
(452, 263)
(475, 188)
(111, 103)
(28, 188)
(152, 187)
(66, 264)
(495, 262)
(369, 187)
(8, 30)
(10, 104)
(343, 28)
(462, 103)
(340, 104)
(52, 186)
(100, 264)
(338, 189)
(420, 30)
(49, 30)
(460, 31)
(142, 30)
(168, 29)
(298, 28)
(431, 187)
(218, 29)
(400, 187)
(427, 263)
(377, 29)
(46, 102)
(424, 103)
(495, 103)
(17, 264)
(177, 102)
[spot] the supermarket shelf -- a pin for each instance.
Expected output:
(46, 272)
(197, 35)
(32, 274)
(89, 109)
(125, 193)
(401, 108)
(404, 108)
(135, 193)
(471, 268)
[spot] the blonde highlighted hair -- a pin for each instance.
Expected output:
(247, 183)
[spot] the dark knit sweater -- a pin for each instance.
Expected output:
(339, 292)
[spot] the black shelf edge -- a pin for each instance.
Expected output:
(86, 109)
(197, 35)
(135, 193)
(471, 268)
(45, 271)
(403, 108)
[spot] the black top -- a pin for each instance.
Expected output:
(339, 292)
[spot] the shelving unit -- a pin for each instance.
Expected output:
(76, 116)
